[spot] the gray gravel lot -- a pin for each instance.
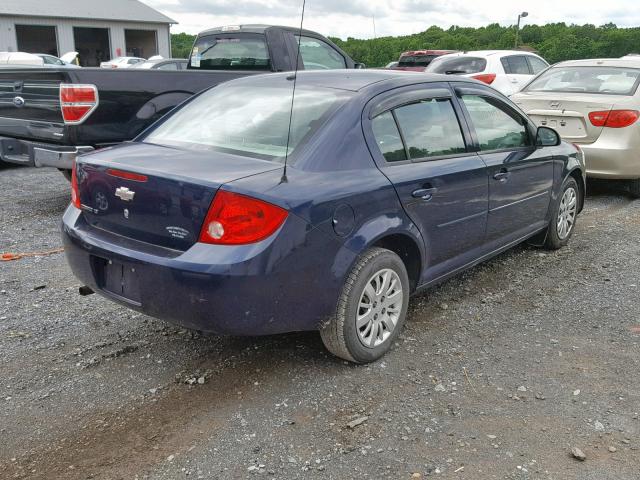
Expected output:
(499, 373)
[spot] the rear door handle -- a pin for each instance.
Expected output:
(502, 175)
(424, 193)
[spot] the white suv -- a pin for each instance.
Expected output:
(505, 70)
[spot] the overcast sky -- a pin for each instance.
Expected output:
(343, 18)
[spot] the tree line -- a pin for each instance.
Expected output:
(555, 42)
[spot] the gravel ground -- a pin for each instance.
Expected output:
(499, 373)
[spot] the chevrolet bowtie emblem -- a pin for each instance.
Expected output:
(125, 194)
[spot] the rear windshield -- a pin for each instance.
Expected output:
(416, 60)
(458, 65)
(603, 80)
(230, 52)
(248, 121)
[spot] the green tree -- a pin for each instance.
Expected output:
(181, 44)
(555, 42)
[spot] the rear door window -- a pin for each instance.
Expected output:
(169, 66)
(537, 65)
(387, 135)
(430, 128)
(319, 55)
(516, 65)
(235, 52)
(497, 127)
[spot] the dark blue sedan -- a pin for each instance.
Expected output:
(393, 182)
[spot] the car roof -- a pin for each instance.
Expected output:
(356, 80)
(160, 60)
(418, 53)
(489, 53)
(252, 28)
(633, 62)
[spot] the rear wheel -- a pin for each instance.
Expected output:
(371, 310)
(634, 188)
(564, 217)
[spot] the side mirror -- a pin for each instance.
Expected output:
(360, 66)
(547, 137)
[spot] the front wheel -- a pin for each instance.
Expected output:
(371, 310)
(564, 217)
(634, 188)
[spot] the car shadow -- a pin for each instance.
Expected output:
(604, 188)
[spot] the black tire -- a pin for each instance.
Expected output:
(634, 188)
(555, 239)
(340, 334)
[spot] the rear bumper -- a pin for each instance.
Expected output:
(615, 155)
(274, 286)
(34, 154)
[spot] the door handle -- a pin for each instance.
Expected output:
(502, 175)
(424, 193)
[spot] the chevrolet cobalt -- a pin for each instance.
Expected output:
(226, 217)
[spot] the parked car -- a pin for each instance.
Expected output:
(419, 60)
(121, 62)
(596, 105)
(505, 70)
(330, 231)
(67, 112)
(391, 65)
(19, 59)
(53, 61)
(163, 64)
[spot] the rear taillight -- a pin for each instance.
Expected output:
(237, 219)
(77, 102)
(614, 118)
(75, 191)
(487, 78)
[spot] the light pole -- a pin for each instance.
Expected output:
(522, 15)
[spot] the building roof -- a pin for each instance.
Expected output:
(116, 10)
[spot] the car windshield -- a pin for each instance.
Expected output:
(597, 80)
(416, 60)
(241, 52)
(458, 65)
(249, 121)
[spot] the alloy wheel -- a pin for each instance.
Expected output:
(567, 213)
(379, 308)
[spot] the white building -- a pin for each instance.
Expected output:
(97, 29)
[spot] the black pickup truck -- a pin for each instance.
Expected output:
(49, 116)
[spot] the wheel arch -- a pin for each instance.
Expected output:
(396, 233)
(576, 174)
(407, 249)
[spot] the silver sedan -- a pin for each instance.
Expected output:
(594, 104)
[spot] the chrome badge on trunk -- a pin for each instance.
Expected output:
(124, 194)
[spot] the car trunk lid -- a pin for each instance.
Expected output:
(155, 194)
(565, 112)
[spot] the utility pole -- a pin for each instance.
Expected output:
(522, 15)
(373, 19)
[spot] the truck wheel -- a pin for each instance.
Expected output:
(66, 173)
(371, 309)
(634, 188)
(565, 214)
